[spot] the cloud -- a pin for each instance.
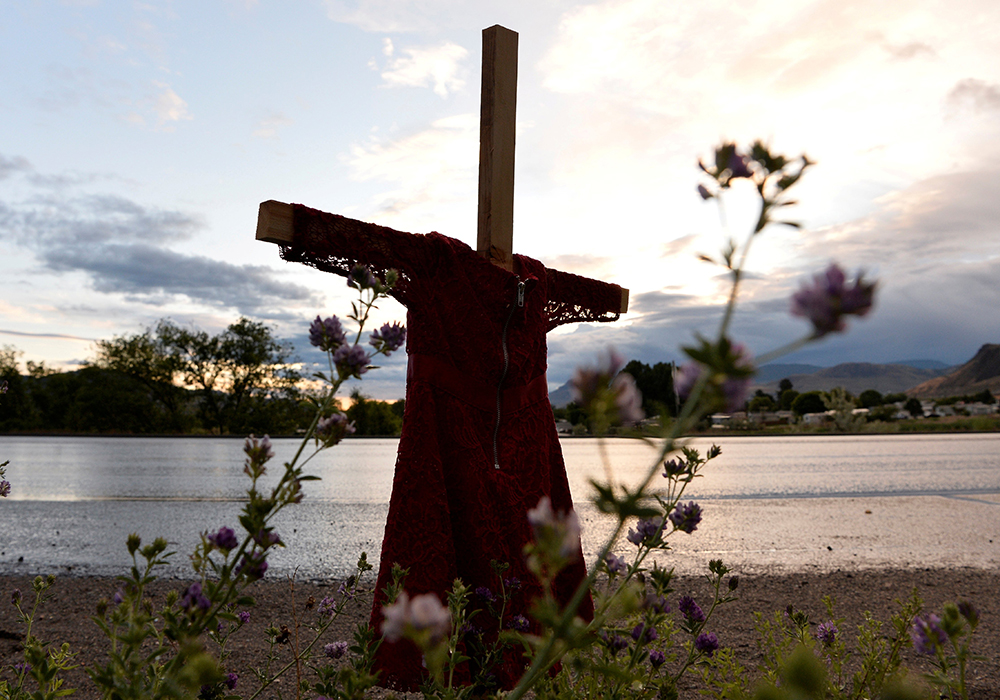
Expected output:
(433, 167)
(45, 335)
(388, 15)
(913, 49)
(978, 95)
(439, 66)
(267, 128)
(13, 166)
(122, 248)
(168, 106)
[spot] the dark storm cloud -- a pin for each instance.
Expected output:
(123, 247)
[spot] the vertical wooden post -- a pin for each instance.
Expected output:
(495, 239)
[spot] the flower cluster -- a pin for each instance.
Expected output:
(732, 370)
(422, 619)
(558, 531)
(224, 539)
(519, 623)
(388, 338)
(927, 635)
(616, 565)
(691, 610)
(361, 277)
(707, 643)
(335, 650)
(351, 361)
(606, 388)
(333, 428)
(194, 598)
(686, 517)
(827, 633)
(830, 298)
(258, 452)
(647, 531)
(327, 334)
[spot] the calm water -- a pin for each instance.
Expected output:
(771, 502)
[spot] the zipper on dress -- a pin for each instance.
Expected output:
(518, 303)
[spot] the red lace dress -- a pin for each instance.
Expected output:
(479, 446)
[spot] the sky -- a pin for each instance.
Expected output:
(137, 140)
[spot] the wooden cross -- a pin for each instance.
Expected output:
(494, 239)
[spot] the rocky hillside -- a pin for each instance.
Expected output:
(981, 372)
(857, 377)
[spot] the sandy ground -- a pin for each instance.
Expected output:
(65, 617)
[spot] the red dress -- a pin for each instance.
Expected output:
(479, 446)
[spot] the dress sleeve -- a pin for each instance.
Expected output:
(572, 298)
(334, 243)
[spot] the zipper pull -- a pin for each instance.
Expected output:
(520, 293)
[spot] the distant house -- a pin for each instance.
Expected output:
(564, 427)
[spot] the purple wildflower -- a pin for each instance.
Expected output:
(335, 650)
(969, 612)
(615, 564)
(231, 680)
(644, 633)
(389, 338)
(351, 360)
(512, 584)
(118, 597)
(193, 598)
(615, 643)
(732, 390)
(691, 610)
(827, 633)
(424, 613)
(518, 623)
(656, 603)
(327, 334)
(15, 596)
(332, 429)
(687, 376)
(22, 668)
(327, 606)
(243, 616)
(673, 467)
(559, 529)
(686, 517)
(258, 452)
(656, 658)
(254, 565)
(267, 538)
(225, 539)
(830, 298)
(927, 634)
(4, 488)
(486, 594)
(590, 383)
(645, 532)
(362, 278)
(707, 644)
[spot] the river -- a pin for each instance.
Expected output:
(771, 503)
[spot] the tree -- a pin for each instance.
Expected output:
(16, 408)
(373, 417)
(788, 397)
(148, 358)
(233, 372)
(870, 398)
(656, 384)
(784, 385)
(761, 403)
(914, 407)
(808, 402)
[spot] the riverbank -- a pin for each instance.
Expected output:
(65, 617)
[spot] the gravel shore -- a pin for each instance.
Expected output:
(65, 617)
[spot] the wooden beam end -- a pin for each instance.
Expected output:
(624, 308)
(275, 222)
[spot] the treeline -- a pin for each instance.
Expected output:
(654, 382)
(174, 380)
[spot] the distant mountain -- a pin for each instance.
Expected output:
(855, 377)
(561, 396)
(981, 372)
(775, 372)
(924, 364)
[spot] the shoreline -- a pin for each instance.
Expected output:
(65, 617)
